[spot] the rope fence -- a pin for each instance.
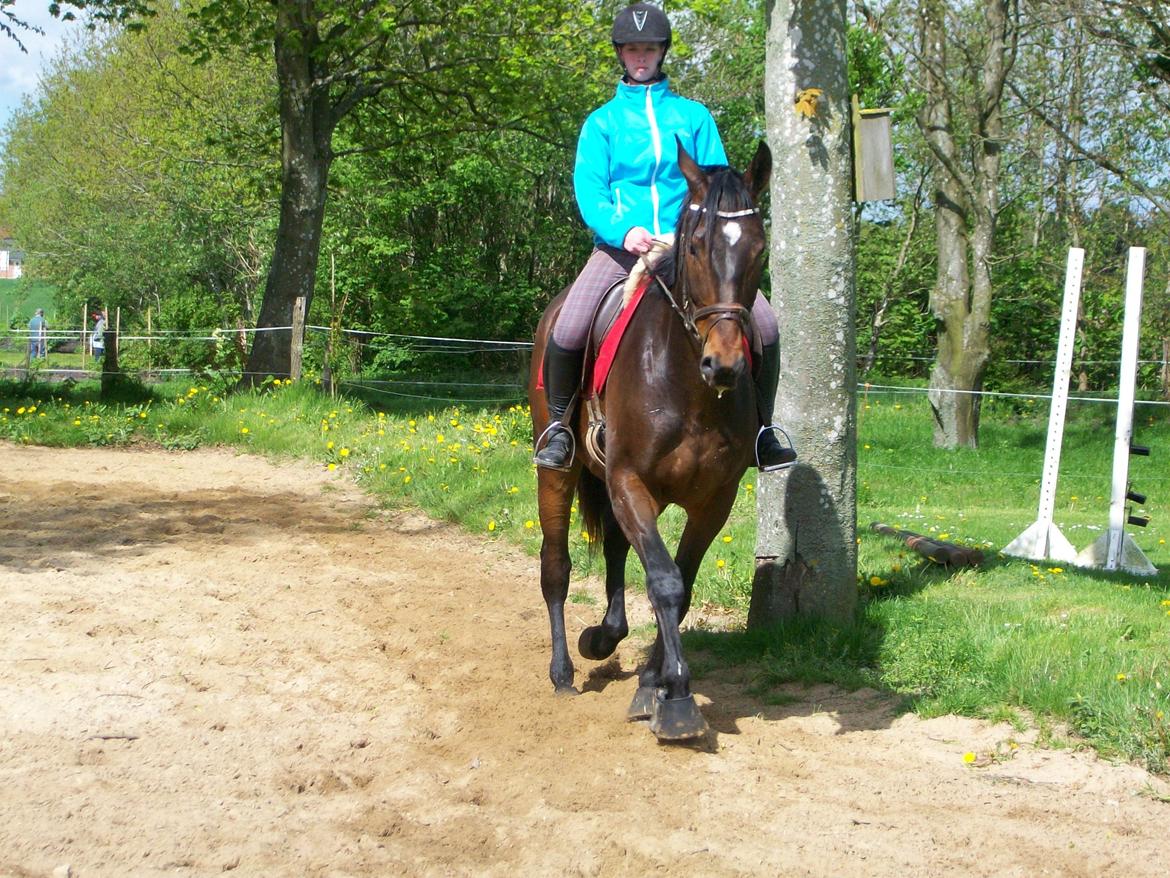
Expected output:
(360, 344)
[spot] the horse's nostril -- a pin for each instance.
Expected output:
(707, 365)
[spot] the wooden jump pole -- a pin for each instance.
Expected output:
(938, 551)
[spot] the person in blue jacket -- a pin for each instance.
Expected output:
(629, 189)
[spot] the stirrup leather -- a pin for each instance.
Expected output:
(785, 443)
(542, 440)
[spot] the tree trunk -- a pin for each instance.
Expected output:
(966, 208)
(806, 547)
(306, 122)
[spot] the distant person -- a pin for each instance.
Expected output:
(37, 330)
(97, 341)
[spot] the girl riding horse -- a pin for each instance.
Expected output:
(630, 189)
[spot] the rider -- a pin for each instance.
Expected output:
(630, 189)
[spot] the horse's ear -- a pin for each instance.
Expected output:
(759, 171)
(696, 179)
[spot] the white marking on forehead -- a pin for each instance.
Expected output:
(732, 231)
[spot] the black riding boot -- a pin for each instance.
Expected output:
(771, 454)
(562, 376)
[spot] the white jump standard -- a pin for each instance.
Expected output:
(1042, 539)
(1115, 549)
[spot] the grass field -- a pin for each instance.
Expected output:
(20, 298)
(1063, 647)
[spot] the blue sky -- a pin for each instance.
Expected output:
(19, 71)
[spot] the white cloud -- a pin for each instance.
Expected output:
(20, 71)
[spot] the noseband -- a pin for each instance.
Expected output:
(725, 311)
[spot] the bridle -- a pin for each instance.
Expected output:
(725, 310)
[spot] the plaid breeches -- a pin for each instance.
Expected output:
(607, 267)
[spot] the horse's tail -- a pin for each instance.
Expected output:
(593, 498)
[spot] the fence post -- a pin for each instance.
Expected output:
(298, 338)
(84, 332)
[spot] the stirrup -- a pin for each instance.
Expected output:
(785, 445)
(549, 431)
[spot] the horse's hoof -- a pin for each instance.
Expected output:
(567, 691)
(642, 705)
(677, 719)
(594, 644)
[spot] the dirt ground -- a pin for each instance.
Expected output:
(209, 663)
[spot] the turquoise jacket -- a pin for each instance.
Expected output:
(627, 170)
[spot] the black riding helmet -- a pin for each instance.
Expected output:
(641, 23)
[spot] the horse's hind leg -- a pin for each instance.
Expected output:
(598, 642)
(555, 494)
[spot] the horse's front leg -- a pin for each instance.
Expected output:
(554, 496)
(675, 714)
(598, 642)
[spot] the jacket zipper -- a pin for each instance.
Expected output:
(656, 139)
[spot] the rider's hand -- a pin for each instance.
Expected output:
(638, 240)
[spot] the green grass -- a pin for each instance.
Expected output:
(20, 298)
(1059, 646)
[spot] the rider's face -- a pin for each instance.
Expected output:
(641, 60)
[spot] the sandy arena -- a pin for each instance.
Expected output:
(212, 664)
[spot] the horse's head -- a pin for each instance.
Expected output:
(719, 255)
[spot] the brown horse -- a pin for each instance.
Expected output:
(681, 425)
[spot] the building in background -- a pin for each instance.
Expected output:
(11, 258)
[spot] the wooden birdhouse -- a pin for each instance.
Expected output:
(873, 153)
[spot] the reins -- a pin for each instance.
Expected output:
(728, 311)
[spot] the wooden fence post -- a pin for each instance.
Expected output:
(298, 338)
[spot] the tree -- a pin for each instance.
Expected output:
(139, 179)
(441, 59)
(806, 545)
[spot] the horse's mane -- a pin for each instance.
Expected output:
(727, 192)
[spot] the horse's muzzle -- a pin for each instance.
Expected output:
(719, 374)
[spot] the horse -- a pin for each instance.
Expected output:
(680, 428)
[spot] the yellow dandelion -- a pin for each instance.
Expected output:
(727, 538)
(332, 467)
(439, 439)
(344, 452)
(245, 430)
(77, 422)
(406, 481)
(720, 564)
(381, 466)
(1121, 678)
(529, 524)
(876, 580)
(329, 445)
(968, 757)
(492, 525)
